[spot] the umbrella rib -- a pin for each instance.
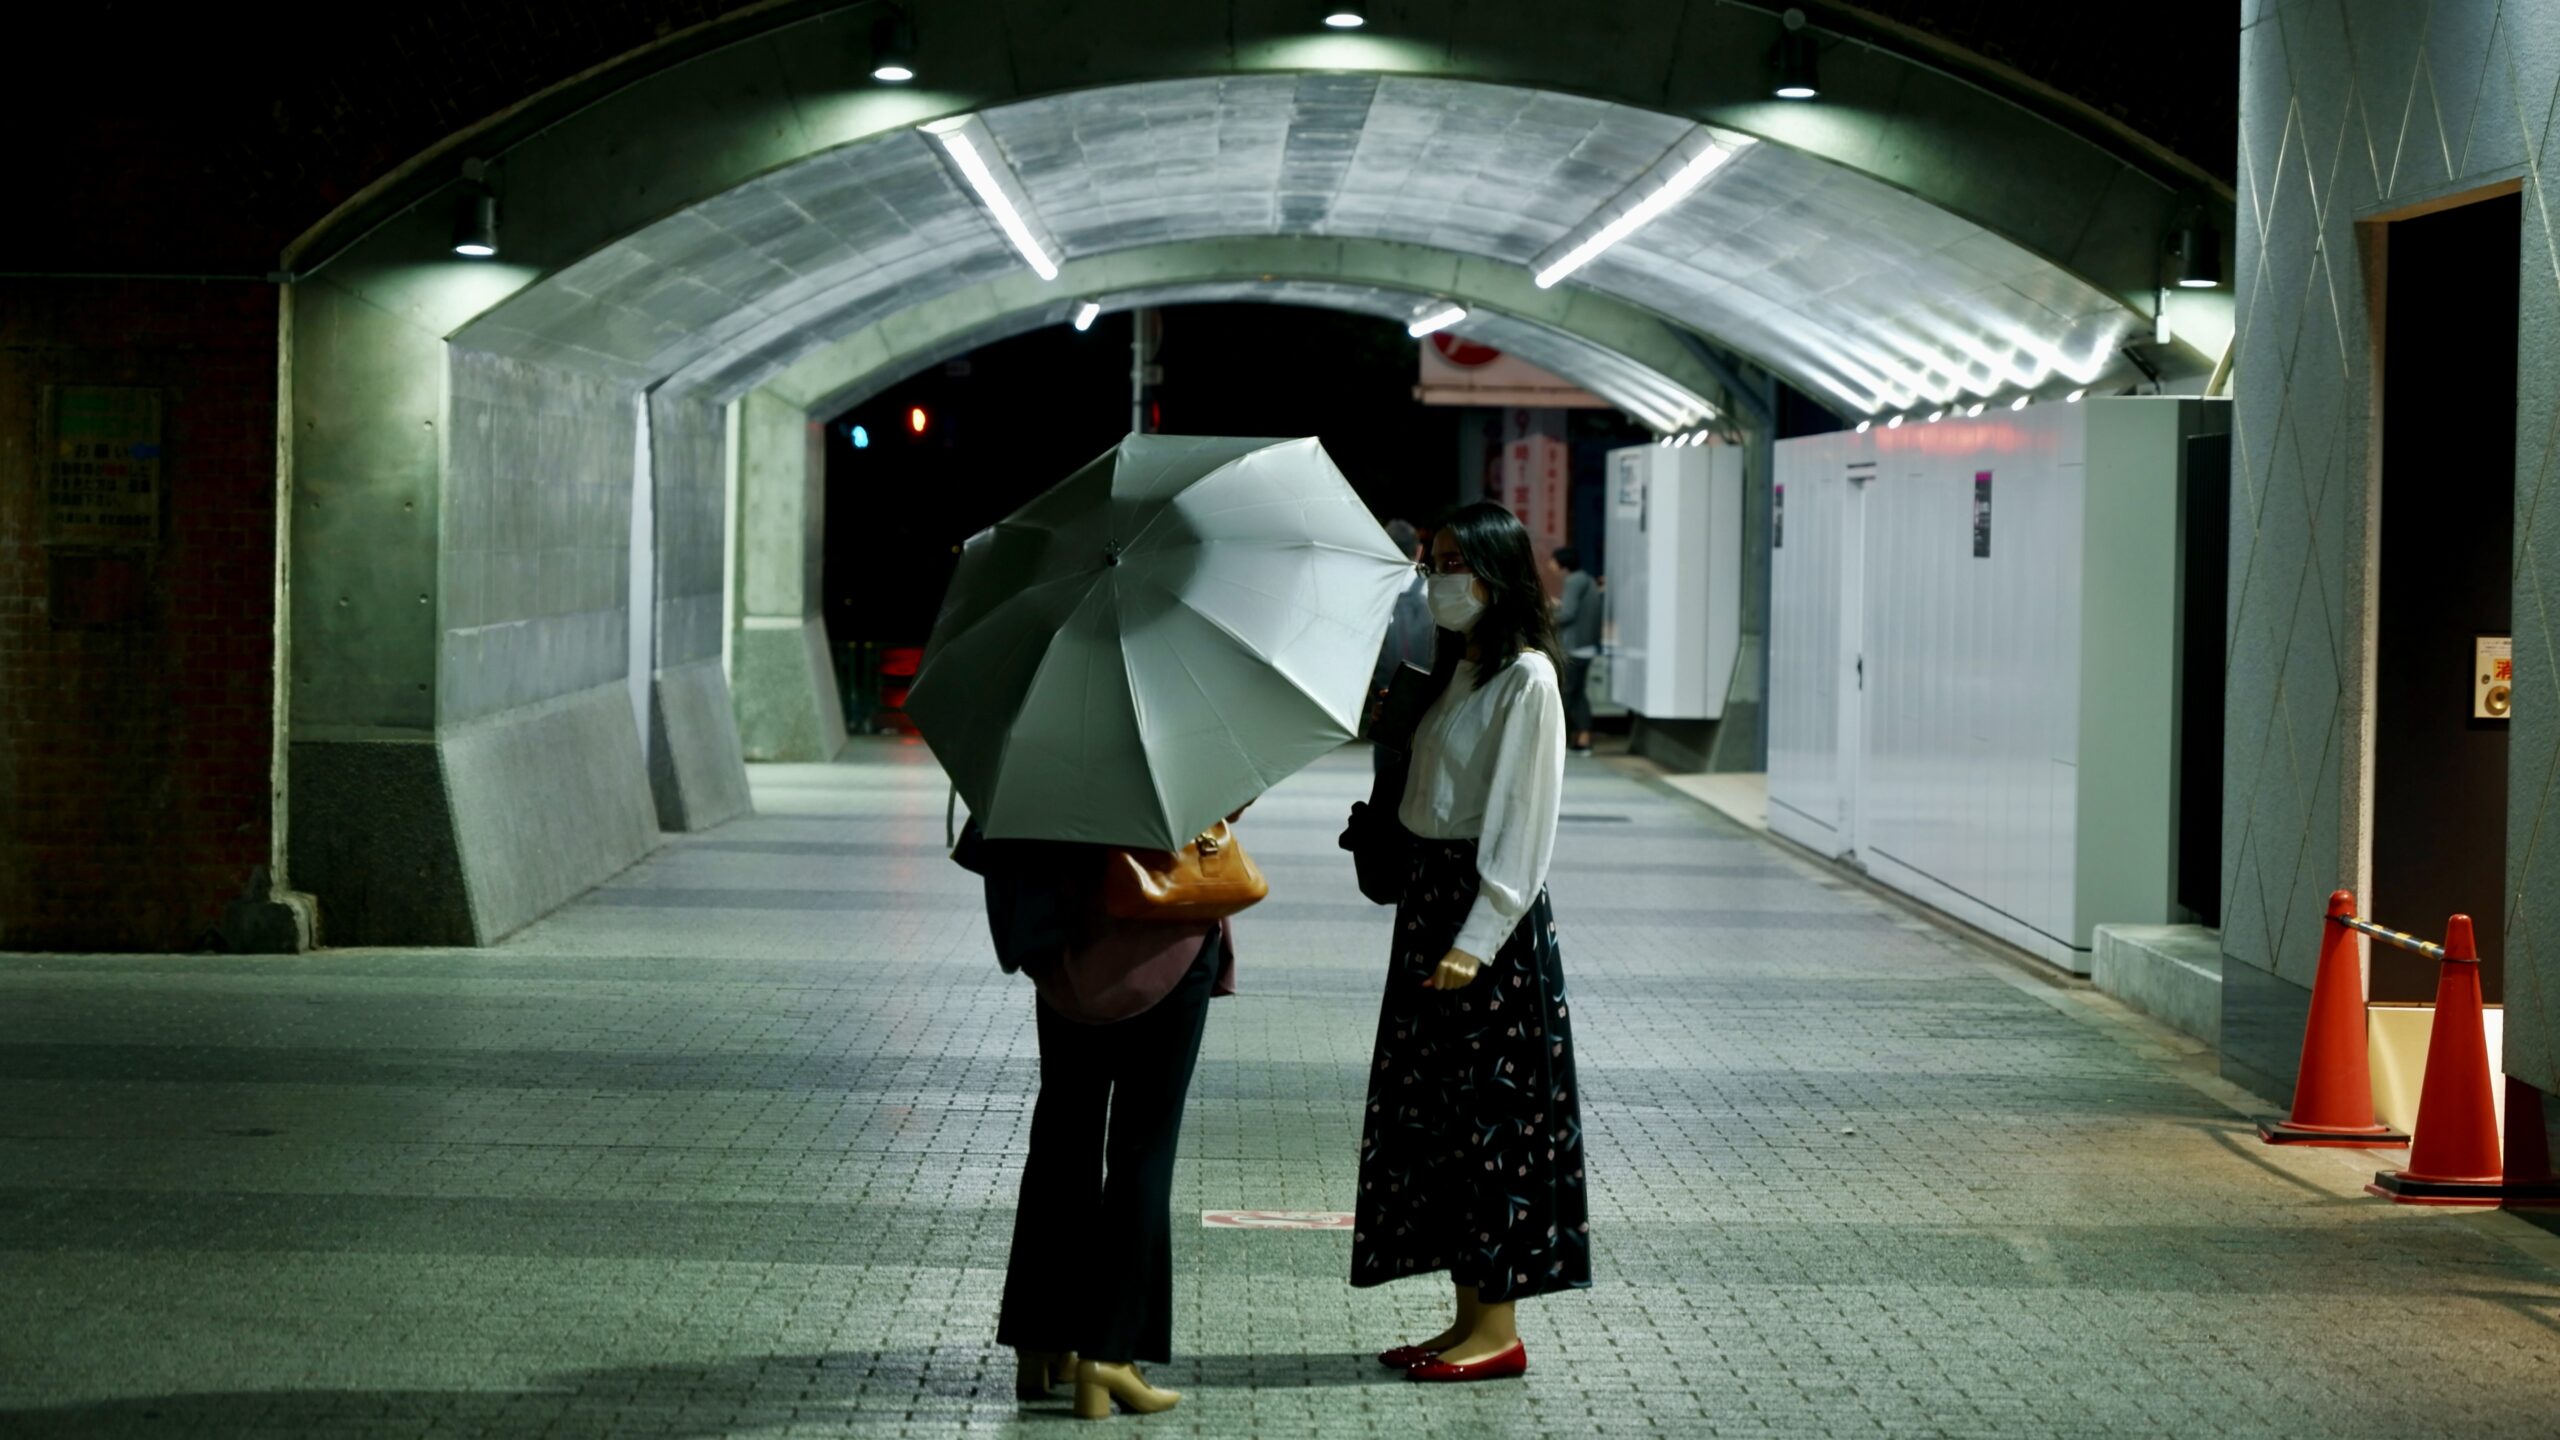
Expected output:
(1241, 642)
(1198, 541)
(1226, 727)
(1214, 623)
(1009, 601)
(1166, 507)
(1004, 748)
(1296, 686)
(1138, 714)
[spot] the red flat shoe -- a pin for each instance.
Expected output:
(1501, 1365)
(1405, 1357)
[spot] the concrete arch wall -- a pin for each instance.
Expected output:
(783, 689)
(835, 377)
(683, 135)
(466, 755)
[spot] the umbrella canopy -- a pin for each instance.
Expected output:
(1162, 637)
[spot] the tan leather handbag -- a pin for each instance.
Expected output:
(1208, 879)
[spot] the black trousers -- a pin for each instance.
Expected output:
(1092, 1266)
(1577, 696)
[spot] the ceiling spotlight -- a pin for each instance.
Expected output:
(1973, 409)
(1865, 425)
(1896, 422)
(1664, 442)
(893, 49)
(1440, 319)
(1085, 314)
(2074, 397)
(2021, 402)
(1799, 75)
(1346, 15)
(2199, 257)
(1937, 415)
(475, 221)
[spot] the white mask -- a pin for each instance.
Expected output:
(1453, 602)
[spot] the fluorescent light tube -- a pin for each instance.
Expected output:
(1085, 314)
(1660, 192)
(1437, 320)
(958, 138)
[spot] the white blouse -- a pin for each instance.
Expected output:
(1489, 765)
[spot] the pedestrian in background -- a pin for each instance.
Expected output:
(1411, 637)
(1471, 1151)
(1578, 631)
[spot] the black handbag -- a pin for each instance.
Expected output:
(1380, 846)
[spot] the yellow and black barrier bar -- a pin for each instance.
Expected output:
(2401, 938)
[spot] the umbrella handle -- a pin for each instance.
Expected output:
(950, 809)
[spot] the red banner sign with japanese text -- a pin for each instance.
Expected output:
(1535, 475)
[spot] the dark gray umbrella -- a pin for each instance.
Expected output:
(1157, 640)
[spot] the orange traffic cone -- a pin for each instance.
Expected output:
(2333, 1090)
(2454, 1160)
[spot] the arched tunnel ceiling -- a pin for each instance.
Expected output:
(1634, 387)
(1858, 293)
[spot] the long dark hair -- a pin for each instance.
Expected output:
(1517, 615)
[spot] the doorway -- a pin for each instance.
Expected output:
(2445, 555)
(1852, 658)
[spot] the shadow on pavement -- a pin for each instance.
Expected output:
(670, 1400)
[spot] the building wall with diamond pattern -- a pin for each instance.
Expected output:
(2353, 111)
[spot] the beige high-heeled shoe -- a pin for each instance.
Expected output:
(1037, 1374)
(1098, 1384)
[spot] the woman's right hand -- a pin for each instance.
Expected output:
(1457, 970)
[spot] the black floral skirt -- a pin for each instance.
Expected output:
(1471, 1158)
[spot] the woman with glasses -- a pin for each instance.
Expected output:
(1471, 1155)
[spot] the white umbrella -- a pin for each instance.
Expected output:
(1162, 637)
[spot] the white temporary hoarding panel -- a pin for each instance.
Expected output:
(1675, 578)
(1808, 654)
(1630, 561)
(1970, 652)
(1973, 661)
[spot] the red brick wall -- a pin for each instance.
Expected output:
(133, 754)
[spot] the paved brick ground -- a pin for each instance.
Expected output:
(729, 1148)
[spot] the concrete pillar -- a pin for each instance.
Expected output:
(697, 768)
(270, 917)
(784, 682)
(464, 755)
